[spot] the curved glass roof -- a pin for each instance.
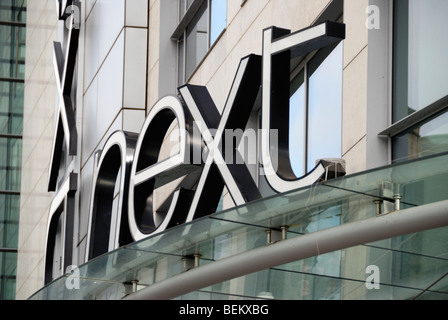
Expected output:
(413, 266)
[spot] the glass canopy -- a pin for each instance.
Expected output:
(412, 266)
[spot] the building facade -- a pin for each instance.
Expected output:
(317, 90)
(12, 74)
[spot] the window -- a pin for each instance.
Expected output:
(10, 163)
(420, 87)
(200, 24)
(218, 18)
(429, 138)
(12, 73)
(316, 109)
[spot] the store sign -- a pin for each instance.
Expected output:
(195, 111)
(128, 165)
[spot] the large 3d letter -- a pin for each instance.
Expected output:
(217, 173)
(148, 174)
(279, 46)
(64, 66)
(108, 226)
(59, 241)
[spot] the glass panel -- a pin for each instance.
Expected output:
(10, 164)
(428, 139)
(13, 10)
(181, 61)
(8, 263)
(184, 5)
(12, 66)
(410, 266)
(325, 108)
(420, 55)
(197, 39)
(56, 251)
(406, 270)
(182, 9)
(297, 125)
(417, 182)
(218, 19)
(9, 220)
(11, 107)
(12, 52)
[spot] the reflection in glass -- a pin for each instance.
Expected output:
(182, 8)
(420, 69)
(197, 39)
(13, 11)
(316, 111)
(201, 33)
(12, 72)
(12, 52)
(181, 62)
(297, 125)
(325, 109)
(8, 265)
(9, 217)
(218, 18)
(10, 164)
(420, 63)
(428, 139)
(11, 107)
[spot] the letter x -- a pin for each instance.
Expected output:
(64, 66)
(216, 173)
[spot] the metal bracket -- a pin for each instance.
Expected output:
(191, 261)
(276, 235)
